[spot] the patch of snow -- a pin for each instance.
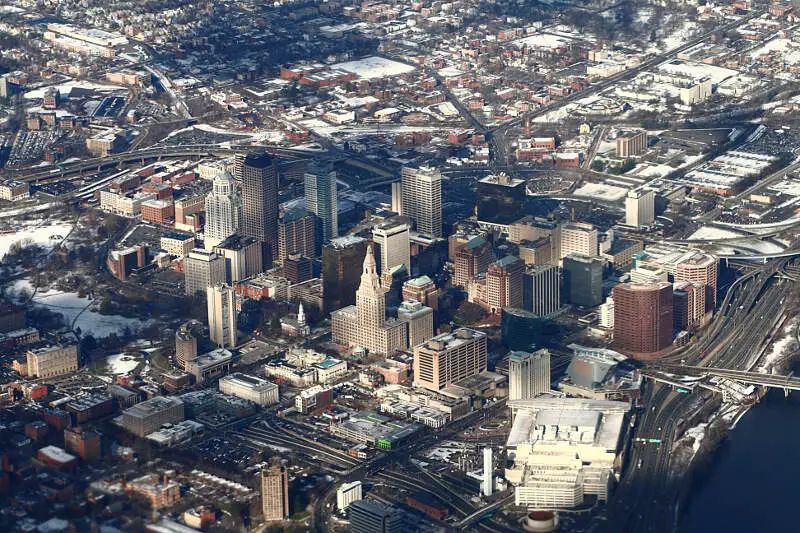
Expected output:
(121, 363)
(782, 347)
(46, 235)
(373, 67)
(79, 312)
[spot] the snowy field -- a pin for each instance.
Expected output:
(374, 67)
(78, 312)
(46, 235)
(120, 364)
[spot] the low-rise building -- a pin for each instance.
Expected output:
(251, 388)
(53, 360)
(148, 416)
(210, 364)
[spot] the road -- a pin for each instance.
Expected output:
(746, 321)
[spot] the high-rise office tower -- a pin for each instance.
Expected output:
(222, 316)
(528, 374)
(700, 267)
(419, 319)
(274, 493)
(423, 290)
(607, 314)
(296, 234)
(449, 358)
(297, 268)
(640, 207)
(501, 199)
(342, 259)
(370, 299)
(321, 199)
(242, 257)
(370, 516)
(397, 197)
(365, 324)
(391, 239)
(541, 289)
(204, 269)
(472, 259)
(530, 228)
(487, 483)
(185, 345)
(642, 317)
(504, 283)
(259, 175)
(223, 211)
(583, 280)
(421, 190)
(688, 304)
(578, 238)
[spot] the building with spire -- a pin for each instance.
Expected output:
(365, 323)
(295, 325)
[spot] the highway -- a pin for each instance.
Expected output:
(498, 132)
(747, 319)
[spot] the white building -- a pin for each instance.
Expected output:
(487, 483)
(528, 374)
(222, 315)
(607, 314)
(394, 247)
(250, 388)
(640, 208)
(578, 238)
(348, 493)
(223, 211)
(563, 449)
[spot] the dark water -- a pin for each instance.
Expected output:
(752, 482)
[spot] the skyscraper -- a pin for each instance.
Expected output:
(391, 239)
(419, 319)
(504, 283)
(342, 259)
(528, 374)
(642, 317)
(471, 259)
(185, 345)
(321, 199)
(421, 190)
(222, 316)
(204, 269)
(365, 324)
(449, 358)
(223, 211)
(242, 257)
(640, 207)
(580, 238)
(296, 234)
(259, 176)
(541, 289)
(500, 199)
(274, 493)
(700, 267)
(583, 280)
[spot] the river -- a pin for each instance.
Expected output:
(750, 485)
